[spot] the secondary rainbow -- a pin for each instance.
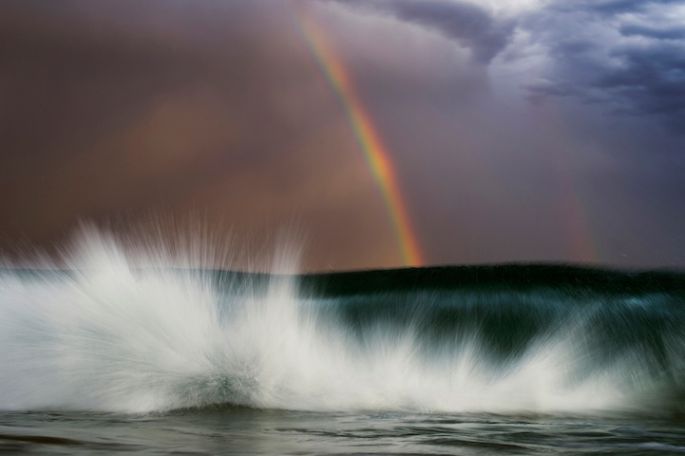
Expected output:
(375, 152)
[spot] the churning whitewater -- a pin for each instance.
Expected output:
(110, 335)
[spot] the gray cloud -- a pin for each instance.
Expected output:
(466, 23)
(607, 7)
(622, 55)
(653, 32)
(617, 54)
(651, 80)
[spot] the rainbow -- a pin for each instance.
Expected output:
(377, 156)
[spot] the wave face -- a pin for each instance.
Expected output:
(109, 336)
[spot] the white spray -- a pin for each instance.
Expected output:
(112, 337)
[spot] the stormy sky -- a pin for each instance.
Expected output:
(520, 130)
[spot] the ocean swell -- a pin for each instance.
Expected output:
(111, 336)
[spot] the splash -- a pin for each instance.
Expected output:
(110, 336)
(377, 155)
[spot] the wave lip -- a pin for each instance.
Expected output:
(113, 337)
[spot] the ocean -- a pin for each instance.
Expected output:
(108, 358)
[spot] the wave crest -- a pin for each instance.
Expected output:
(109, 336)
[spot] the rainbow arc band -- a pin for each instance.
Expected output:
(377, 156)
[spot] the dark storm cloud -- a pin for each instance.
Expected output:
(651, 80)
(621, 55)
(468, 24)
(588, 45)
(653, 32)
(612, 7)
(607, 8)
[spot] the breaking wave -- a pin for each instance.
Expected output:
(108, 335)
